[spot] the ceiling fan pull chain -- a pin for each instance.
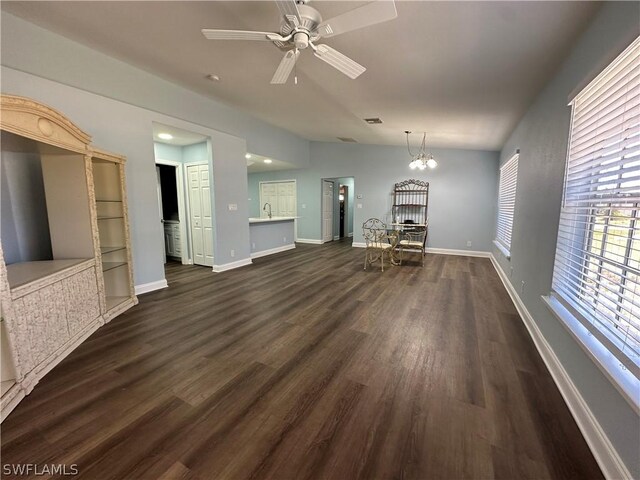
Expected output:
(295, 68)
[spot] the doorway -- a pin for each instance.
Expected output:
(183, 162)
(337, 208)
(172, 209)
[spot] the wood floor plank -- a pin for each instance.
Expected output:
(305, 366)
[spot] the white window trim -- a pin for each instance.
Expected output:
(594, 341)
(500, 242)
(622, 379)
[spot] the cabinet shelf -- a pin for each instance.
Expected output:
(108, 201)
(410, 205)
(114, 301)
(112, 217)
(106, 266)
(105, 250)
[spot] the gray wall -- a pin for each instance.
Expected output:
(81, 82)
(24, 221)
(542, 137)
(32, 49)
(462, 198)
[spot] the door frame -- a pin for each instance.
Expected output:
(182, 210)
(345, 222)
(295, 183)
(322, 232)
(185, 166)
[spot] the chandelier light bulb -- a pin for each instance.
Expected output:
(420, 160)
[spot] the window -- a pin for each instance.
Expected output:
(596, 274)
(506, 203)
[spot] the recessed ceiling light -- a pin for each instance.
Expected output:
(372, 121)
(213, 77)
(165, 136)
(247, 156)
(268, 160)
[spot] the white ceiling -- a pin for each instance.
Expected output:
(181, 138)
(464, 72)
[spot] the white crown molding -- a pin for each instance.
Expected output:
(271, 251)
(604, 452)
(230, 266)
(151, 286)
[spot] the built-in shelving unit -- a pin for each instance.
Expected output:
(65, 261)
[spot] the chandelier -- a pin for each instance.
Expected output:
(420, 160)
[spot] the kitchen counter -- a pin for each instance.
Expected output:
(272, 219)
(271, 235)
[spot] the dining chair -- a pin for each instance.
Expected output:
(379, 242)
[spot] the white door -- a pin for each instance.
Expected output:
(327, 211)
(200, 214)
(159, 188)
(287, 199)
(269, 194)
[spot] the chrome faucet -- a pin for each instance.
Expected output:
(264, 208)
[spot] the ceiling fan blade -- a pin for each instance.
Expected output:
(285, 67)
(369, 14)
(288, 8)
(339, 61)
(213, 34)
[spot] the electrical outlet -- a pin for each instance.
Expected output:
(304, 205)
(233, 253)
(359, 205)
(359, 196)
(253, 245)
(468, 243)
(284, 239)
(511, 271)
(522, 287)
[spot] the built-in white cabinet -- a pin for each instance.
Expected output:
(65, 257)
(172, 241)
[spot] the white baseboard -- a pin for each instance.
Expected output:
(336, 238)
(271, 251)
(309, 240)
(151, 286)
(230, 266)
(462, 253)
(605, 454)
(359, 244)
(350, 234)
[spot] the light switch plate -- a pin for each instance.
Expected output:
(359, 205)
(359, 196)
(233, 206)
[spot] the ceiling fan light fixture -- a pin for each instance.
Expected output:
(247, 156)
(268, 160)
(165, 136)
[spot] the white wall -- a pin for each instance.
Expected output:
(542, 137)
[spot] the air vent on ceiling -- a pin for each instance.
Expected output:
(347, 139)
(372, 121)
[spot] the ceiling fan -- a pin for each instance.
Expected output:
(302, 26)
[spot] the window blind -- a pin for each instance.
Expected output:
(597, 265)
(507, 201)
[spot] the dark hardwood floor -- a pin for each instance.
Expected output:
(304, 366)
